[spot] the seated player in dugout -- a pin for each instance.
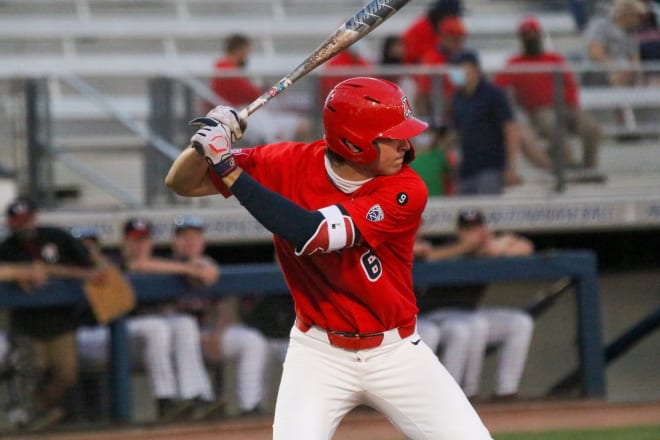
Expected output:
(344, 211)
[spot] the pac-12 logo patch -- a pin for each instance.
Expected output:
(402, 198)
(375, 214)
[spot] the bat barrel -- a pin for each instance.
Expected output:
(360, 24)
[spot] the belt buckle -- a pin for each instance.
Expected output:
(354, 341)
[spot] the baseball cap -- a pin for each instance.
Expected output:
(452, 26)
(137, 227)
(469, 217)
(20, 210)
(188, 222)
(529, 25)
(465, 56)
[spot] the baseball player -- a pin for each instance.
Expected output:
(344, 211)
(221, 338)
(167, 343)
(466, 329)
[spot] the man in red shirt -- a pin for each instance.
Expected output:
(422, 35)
(451, 42)
(344, 211)
(236, 90)
(530, 77)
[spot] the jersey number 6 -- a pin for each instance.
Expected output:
(371, 265)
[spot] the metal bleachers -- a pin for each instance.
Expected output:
(116, 47)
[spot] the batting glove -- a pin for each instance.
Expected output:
(213, 140)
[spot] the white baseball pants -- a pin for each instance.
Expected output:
(250, 349)
(465, 336)
(168, 347)
(403, 380)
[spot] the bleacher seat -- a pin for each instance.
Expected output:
(117, 45)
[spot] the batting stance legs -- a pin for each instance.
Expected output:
(402, 379)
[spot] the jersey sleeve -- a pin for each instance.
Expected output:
(392, 210)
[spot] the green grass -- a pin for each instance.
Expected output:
(634, 433)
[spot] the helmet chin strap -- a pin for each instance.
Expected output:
(344, 185)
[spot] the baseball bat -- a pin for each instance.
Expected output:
(360, 24)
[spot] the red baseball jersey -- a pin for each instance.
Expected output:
(418, 38)
(236, 91)
(533, 90)
(363, 289)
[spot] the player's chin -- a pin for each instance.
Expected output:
(394, 168)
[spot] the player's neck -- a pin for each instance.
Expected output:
(346, 176)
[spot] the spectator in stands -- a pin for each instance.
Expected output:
(451, 41)
(166, 344)
(452, 317)
(534, 92)
(347, 58)
(49, 332)
(436, 162)
(392, 51)
(267, 125)
(422, 35)
(488, 134)
(391, 57)
(613, 45)
(649, 42)
(222, 338)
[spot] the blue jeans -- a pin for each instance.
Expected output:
(486, 182)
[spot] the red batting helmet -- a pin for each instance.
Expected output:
(360, 110)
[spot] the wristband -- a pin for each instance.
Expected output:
(224, 167)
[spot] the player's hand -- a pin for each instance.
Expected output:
(230, 118)
(511, 178)
(214, 138)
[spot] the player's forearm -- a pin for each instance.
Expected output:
(278, 214)
(13, 272)
(75, 272)
(448, 251)
(188, 175)
(159, 265)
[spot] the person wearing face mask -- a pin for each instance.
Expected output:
(269, 125)
(489, 137)
(530, 77)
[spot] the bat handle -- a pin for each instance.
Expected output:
(243, 114)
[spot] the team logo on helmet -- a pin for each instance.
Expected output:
(407, 110)
(375, 214)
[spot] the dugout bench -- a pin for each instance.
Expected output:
(265, 278)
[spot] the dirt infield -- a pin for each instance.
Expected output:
(367, 425)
